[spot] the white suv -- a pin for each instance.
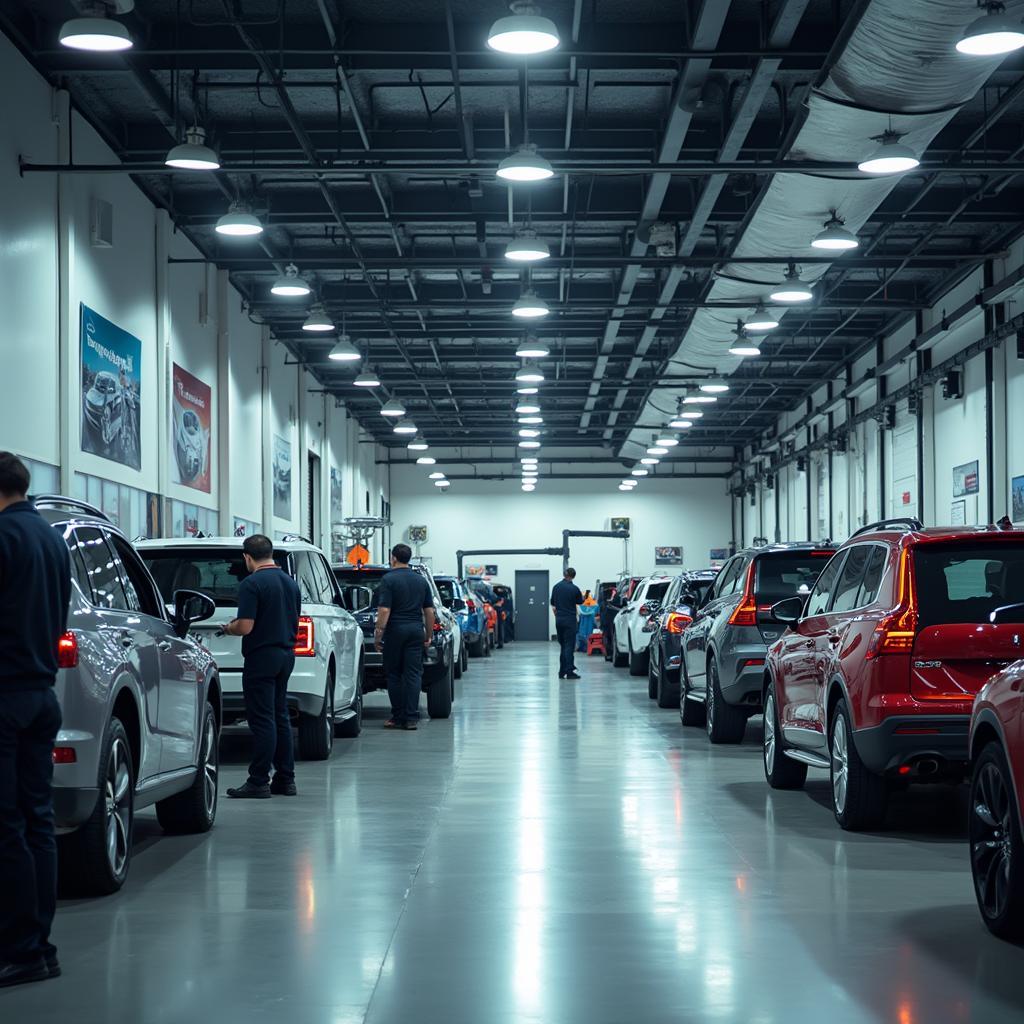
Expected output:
(325, 692)
(631, 639)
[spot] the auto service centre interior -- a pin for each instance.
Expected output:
(719, 303)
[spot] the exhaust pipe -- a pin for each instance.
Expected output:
(927, 766)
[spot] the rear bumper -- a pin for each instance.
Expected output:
(741, 674)
(73, 806)
(904, 739)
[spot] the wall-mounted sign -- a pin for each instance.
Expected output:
(620, 522)
(668, 556)
(958, 513)
(965, 479)
(111, 385)
(719, 554)
(282, 478)
(417, 535)
(490, 570)
(191, 402)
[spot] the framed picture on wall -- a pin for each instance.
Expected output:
(965, 479)
(620, 523)
(668, 556)
(191, 402)
(282, 478)
(1017, 499)
(958, 513)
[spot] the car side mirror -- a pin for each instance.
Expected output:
(1007, 613)
(790, 611)
(190, 606)
(359, 598)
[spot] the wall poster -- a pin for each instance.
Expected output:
(282, 478)
(191, 406)
(668, 556)
(958, 513)
(965, 479)
(1017, 493)
(110, 381)
(620, 522)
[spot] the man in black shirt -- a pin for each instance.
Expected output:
(269, 603)
(565, 597)
(405, 623)
(35, 588)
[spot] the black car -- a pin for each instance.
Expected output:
(686, 593)
(359, 585)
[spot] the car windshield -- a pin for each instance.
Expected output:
(699, 588)
(446, 588)
(215, 571)
(967, 581)
(785, 573)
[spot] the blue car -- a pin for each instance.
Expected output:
(469, 610)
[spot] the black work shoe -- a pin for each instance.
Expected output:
(573, 675)
(284, 787)
(561, 675)
(52, 965)
(19, 974)
(409, 726)
(250, 792)
(393, 723)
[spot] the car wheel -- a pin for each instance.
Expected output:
(859, 796)
(458, 666)
(465, 658)
(668, 691)
(637, 662)
(997, 852)
(619, 660)
(724, 723)
(94, 859)
(691, 712)
(652, 679)
(316, 732)
(439, 695)
(350, 728)
(195, 809)
(781, 772)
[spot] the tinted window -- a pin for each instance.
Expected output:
(102, 567)
(824, 588)
(849, 586)
(304, 577)
(137, 584)
(325, 594)
(725, 584)
(79, 573)
(656, 592)
(788, 573)
(214, 571)
(873, 576)
(355, 578)
(447, 590)
(965, 582)
(698, 589)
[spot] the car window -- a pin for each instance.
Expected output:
(447, 590)
(216, 571)
(727, 578)
(142, 596)
(656, 591)
(79, 573)
(873, 575)
(672, 594)
(852, 578)
(821, 596)
(323, 586)
(305, 578)
(966, 581)
(782, 574)
(102, 567)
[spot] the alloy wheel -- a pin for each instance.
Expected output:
(329, 715)
(769, 733)
(208, 760)
(840, 764)
(118, 801)
(709, 700)
(991, 840)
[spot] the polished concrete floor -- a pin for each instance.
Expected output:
(557, 852)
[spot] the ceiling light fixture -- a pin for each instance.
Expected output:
(417, 445)
(527, 460)
(762, 320)
(436, 475)
(891, 156)
(657, 450)
(529, 375)
(525, 165)
(530, 306)
(529, 390)
(527, 408)
(193, 154)
(667, 442)
(714, 387)
(792, 288)
(529, 432)
(526, 247)
(95, 32)
(699, 399)
(529, 444)
(318, 320)
(426, 460)
(745, 347)
(367, 379)
(404, 427)
(649, 460)
(290, 284)
(393, 407)
(525, 31)
(834, 237)
(344, 351)
(690, 414)
(239, 222)
(443, 484)
(681, 424)
(991, 35)
(527, 421)
(533, 349)
(640, 472)
(623, 487)
(529, 487)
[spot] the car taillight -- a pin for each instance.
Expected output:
(645, 609)
(677, 622)
(305, 646)
(471, 607)
(745, 613)
(895, 634)
(67, 650)
(438, 628)
(64, 755)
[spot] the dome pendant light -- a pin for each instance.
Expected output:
(891, 157)
(95, 32)
(533, 349)
(524, 32)
(762, 320)
(344, 351)
(525, 164)
(529, 375)
(991, 35)
(714, 387)
(318, 320)
(393, 407)
(526, 247)
(405, 427)
(834, 237)
(530, 306)
(367, 379)
(792, 289)
(239, 222)
(193, 154)
(291, 284)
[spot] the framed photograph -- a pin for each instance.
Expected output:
(620, 523)
(958, 513)
(668, 556)
(1017, 494)
(191, 401)
(965, 479)
(490, 570)
(417, 535)
(282, 478)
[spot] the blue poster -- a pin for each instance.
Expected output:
(111, 365)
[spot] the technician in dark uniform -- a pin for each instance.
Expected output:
(269, 603)
(35, 588)
(405, 624)
(565, 598)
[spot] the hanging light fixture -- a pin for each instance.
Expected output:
(529, 460)
(526, 247)
(714, 387)
(667, 442)
(993, 34)
(527, 443)
(436, 475)
(529, 432)
(417, 445)
(834, 237)
(344, 351)
(193, 154)
(529, 487)
(525, 165)
(426, 460)
(699, 400)
(630, 483)
(649, 460)
(239, 222)
(530, 306)
(640, 472)
(533, 349)
(680, 424)
(762, 320)
(792, 288)
(527, 408)
(393, 407)
(745, 347)
(404, 427)
(367, 379)
(529, 375)
(657, 449)
(528, 390)
(290, 284)
(443, 484)
(891, 156)
(318, 320)
(524, 32)
(95, 32)
(529, 421)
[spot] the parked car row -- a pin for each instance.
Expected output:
(893, 659)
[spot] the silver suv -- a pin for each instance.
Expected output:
(325, 693)
(141, 703)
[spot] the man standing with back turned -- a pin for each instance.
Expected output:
(405, 624)
(269, 603)
(565, 598)
(35, 588)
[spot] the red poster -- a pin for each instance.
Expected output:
(191, 402)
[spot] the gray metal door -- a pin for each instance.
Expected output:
(533, 617)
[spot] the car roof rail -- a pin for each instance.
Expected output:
(59, 501)
(906, 524)
(291, 538)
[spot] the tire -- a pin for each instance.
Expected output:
(86, 868)
(997, 849)
(781, 772)
(439, 695)
(724, 723)
(652, 680)
(465, 659)
(619, 660)
(859, 796)
(457, 670)
(316, 732)
(691, 712)
(637, 662)
(350, 728)
(195, 809)
(667, 694)
(479, 647)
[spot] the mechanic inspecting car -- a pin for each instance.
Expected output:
(405, 624)
(269, 602)
(565, 599)
(35, 590)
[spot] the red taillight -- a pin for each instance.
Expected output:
(677, 622)
(438, 628)
(752, 663)
(645, 608)
(64, 755)
(745, 613)
(67, 650)
(470, 606)
(305, 646)
(896, 633)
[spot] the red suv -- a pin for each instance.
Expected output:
(877, 675)
(997, 793)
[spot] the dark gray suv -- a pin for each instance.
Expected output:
(725, 646)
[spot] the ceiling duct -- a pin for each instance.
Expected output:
(918, 81)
